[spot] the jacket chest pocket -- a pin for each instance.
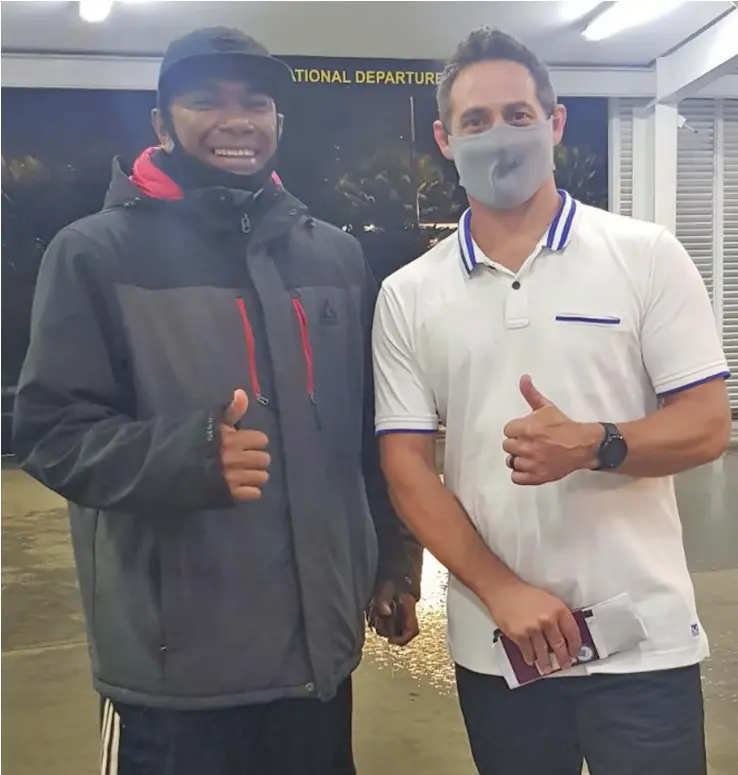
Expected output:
(331, 338)
(187, 346)
(332, 343)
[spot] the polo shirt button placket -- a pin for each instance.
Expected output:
(516, 307)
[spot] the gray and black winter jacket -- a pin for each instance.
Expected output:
(147, 316)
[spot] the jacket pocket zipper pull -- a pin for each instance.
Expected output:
(316, 412)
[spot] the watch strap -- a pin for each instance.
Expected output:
(611, 432)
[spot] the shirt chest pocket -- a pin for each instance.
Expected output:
(586, 339)
(589, 320)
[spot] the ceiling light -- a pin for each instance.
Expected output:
(626, 14)
(576, 9)
(95, 10)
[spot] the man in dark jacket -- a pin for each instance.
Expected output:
(197, 386)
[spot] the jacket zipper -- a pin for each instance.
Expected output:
(251, 353)
(307, 352)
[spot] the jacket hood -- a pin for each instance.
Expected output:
(148, 180)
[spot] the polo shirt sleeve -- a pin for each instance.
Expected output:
(404, 402)
(679, 338)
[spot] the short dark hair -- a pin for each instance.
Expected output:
(487, 44)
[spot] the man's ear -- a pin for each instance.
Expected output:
(160, 128)
(280, 125)
(559, 123)
(441, 137)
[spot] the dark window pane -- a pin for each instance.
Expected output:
(582, 159)
(57, 152)
(347, 153)
(426, 113)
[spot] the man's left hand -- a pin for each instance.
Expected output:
(546, 445)
(382, 621)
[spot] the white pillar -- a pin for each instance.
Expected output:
(655, 131)
(665, 130)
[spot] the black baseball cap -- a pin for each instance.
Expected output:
(220, 51)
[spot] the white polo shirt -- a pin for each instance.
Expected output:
(606, 315)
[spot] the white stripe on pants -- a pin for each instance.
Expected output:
(110, 740)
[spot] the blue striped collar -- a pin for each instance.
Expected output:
(557, 237)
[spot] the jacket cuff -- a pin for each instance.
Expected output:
(218, 492)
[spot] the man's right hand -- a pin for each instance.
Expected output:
(242, 453)
(536, 620)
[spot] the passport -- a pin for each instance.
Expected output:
(607, 628)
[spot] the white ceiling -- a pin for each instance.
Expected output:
(403, 30)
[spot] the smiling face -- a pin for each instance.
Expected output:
(224, 123)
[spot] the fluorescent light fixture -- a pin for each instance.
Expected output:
(576, 9)
(626, 14)
(94, 11)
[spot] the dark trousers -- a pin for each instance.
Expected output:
(636, 724)
(287, 737)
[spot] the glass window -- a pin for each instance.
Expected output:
(57, 151)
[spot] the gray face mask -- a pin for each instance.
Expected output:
(504, 166)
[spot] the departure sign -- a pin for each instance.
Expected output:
(364, 72)
(372, 77)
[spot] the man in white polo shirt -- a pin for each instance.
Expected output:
(573, 357)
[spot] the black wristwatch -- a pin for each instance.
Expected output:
(613, 450)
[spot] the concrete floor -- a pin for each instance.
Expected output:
(407, 718)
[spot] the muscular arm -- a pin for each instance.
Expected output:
(435, 516)
(691, 429)
(400, 554)
(683, 356)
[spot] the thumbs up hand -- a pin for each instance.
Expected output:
(242, 452)
(546, 445)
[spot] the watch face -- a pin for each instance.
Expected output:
(613, 452)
